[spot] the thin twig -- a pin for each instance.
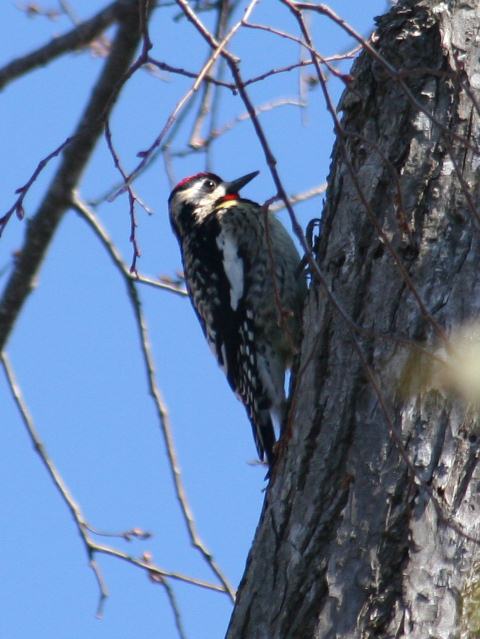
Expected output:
(162, 413)
(163, 66)
(342, 134)
(228, 6)
(205, 107)
(315, 269)
(463, 183)
(91, 547)
(153, 569)
(396, 74)
(78, 37)
(145, 155)
(228, 126)
(299, 197)
(44, 223)
(303, 63)
(84, 210)
(395, 435)
(131, 199)
(113, 191)
(173, 605)
(163, 284)
(288, 36)
(400, 208)
(17, 207)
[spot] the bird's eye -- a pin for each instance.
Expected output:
(209, 185)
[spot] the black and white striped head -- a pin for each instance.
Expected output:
(196, 196)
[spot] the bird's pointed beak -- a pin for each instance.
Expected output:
(235, 186)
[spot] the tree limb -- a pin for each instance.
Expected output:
(43, 225)
(76, 38)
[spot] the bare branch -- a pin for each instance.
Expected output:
(91, 547)
(75, 157)
(218, 51)
(75, 39)
(316, 272)
(208, 99)
(303, 63)
(57, 479)
(69, 11)
(161, 409)
(163, 66)
(152, 569)
(176, 610)
(17, 207)
(300, 197)
(228, 126)
(161, 283)
(131, 199)
(395, 74)
(88, 215)
(342, 134)
(302, 43)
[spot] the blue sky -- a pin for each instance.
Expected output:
(75, 348)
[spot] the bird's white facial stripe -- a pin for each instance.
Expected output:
(191, 194)
(195, 194)
(233, 265)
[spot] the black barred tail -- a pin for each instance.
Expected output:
(263, 433)
(258, 410)
(245, 378)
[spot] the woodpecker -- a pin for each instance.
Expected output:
(246, 285)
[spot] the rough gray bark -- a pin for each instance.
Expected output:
(354, 541)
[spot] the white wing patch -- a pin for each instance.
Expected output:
(224, 358)
(233, 265)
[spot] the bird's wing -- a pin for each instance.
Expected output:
(218, 284)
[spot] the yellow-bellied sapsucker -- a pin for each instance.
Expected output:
(247, 288)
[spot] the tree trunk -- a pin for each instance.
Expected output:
(369, 527)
